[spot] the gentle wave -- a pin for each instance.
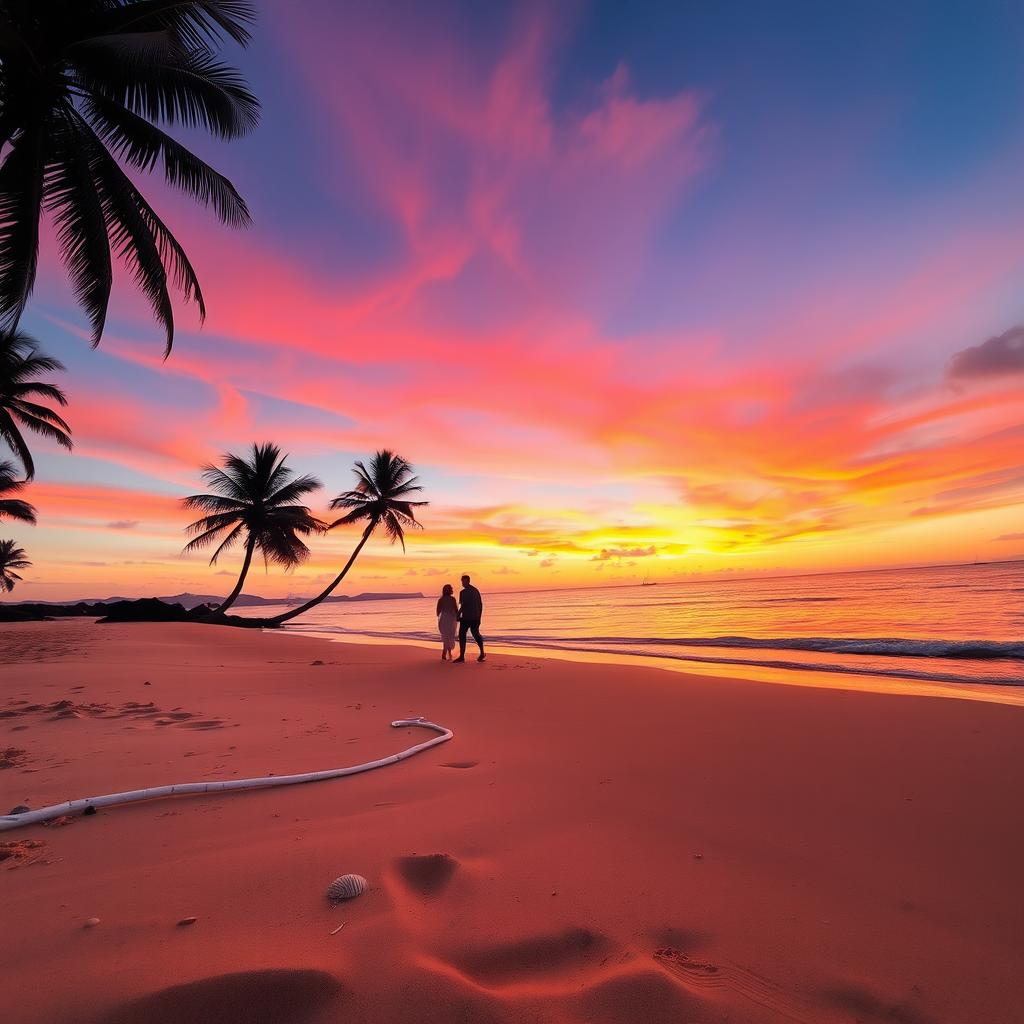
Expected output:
(889, 647)
(985, 650)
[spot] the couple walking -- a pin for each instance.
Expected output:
(466, 613)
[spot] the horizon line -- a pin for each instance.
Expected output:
(782, 575)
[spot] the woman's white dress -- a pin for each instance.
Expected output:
(447, 624)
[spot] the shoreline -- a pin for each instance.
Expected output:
(597, 843)
(852, 679)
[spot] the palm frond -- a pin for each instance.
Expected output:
(281, 547)
(193, 89)
(21, 195)
(292, 491)
(212, 524)
(15, 508)
(131, 235)
(198, 23)
(355, 515)
(9, 481)
(225, 485)
(12, 435)
(71, 197)
(40, 388)
(142, 144)
(35, 411)
(205, 539)
(21, 358)
(228, 542)
(212, 503)
(11, 558)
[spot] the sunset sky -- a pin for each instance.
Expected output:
(642, 290)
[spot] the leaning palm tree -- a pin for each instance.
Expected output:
(254, 498)
(11, 558)
(21, 363)
(13, 508)
(84, 87)
(380, 498)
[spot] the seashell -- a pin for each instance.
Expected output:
(92, 922)
(347, 887)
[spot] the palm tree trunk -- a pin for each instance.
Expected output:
(285, 616)
(233, 596)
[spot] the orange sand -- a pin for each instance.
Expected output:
(597, 843)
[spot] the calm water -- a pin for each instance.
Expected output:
(960, 625)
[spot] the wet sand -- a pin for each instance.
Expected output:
(598, 843)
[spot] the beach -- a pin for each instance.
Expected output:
(598, 843)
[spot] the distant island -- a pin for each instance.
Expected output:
(194, 600)
(164, 607)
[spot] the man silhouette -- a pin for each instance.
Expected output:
(471, 609)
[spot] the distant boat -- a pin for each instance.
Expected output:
(649, 583)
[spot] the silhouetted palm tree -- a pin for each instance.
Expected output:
(13, 508)
(20, 366)
(83, 85)
(254, 498)
(11, 558)
(380, 498)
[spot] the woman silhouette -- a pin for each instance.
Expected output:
(447, 620)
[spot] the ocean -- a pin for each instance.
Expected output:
(957, 625)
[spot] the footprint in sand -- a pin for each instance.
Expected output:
(868, 1007)
(145, 714)
(534, 957)
(428, 874)
(12, 757)
(250, 997)
(697, 973)
(22, 851)
(646, 996)
(692, 970)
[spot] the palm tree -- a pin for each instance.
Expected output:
(20, 365)
(254, 498)
(11, 558)
(84, 84)
(380, 498)
(13, 508)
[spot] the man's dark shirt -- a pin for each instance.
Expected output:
(471, 604)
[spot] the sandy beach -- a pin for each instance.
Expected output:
(597, 844)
